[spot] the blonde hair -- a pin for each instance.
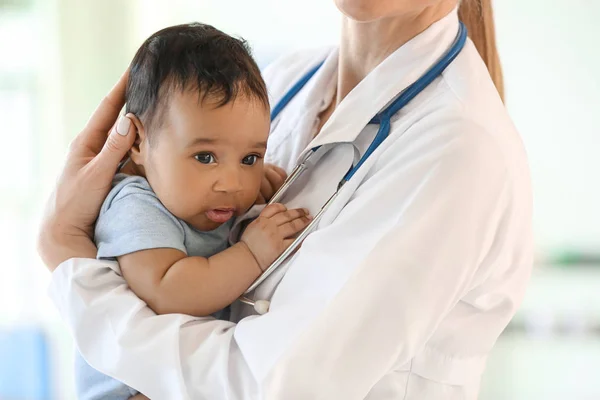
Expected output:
(478, 16)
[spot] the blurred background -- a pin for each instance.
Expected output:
(59, 57)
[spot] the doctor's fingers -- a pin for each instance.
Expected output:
(116, 146)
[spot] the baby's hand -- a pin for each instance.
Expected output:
(268, 235)
(273, 178)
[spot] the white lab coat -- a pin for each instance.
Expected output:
(404, 287)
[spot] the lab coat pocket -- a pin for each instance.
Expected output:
(448, 369)
(434, 373)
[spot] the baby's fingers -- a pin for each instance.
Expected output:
(272, 209)
(289, 215)
(294, 226)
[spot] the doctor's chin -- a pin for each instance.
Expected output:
(339, 199)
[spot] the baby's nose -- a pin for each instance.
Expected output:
(229, 181)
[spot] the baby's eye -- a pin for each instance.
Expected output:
(205, 158)
(250, 160)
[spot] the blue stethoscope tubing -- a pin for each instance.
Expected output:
(383, 119)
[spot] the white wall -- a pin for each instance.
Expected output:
(271, 26)
(551, 56)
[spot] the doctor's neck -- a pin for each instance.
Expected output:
(365, 45)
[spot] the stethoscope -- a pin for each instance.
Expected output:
(383, 119)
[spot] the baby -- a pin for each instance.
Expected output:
(201, 111)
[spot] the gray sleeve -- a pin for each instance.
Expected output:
(133, 220)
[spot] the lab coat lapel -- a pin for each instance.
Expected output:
(380, 87)
(386, 82)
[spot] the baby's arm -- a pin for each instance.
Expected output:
(170, 282)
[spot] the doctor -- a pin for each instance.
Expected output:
(411, 274)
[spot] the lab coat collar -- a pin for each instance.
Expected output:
(398, 71)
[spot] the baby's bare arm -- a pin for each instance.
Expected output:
(170, 282)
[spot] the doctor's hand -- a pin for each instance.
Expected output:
(273, 178)
(271, 233)
(94, 155)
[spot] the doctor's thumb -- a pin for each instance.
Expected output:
(117, 144)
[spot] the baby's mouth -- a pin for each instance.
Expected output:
(220, 215)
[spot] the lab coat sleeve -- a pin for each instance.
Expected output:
(444, 208)
(171, 356)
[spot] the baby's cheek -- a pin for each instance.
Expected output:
(181, 197)
(192, 194)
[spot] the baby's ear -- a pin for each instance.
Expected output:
(137, 150)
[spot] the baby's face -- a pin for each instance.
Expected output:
(206, 163)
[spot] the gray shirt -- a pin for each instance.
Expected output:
(132, 218)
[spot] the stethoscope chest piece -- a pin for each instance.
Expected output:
(260, 306)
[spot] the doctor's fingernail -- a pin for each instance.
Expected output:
(123, 126)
